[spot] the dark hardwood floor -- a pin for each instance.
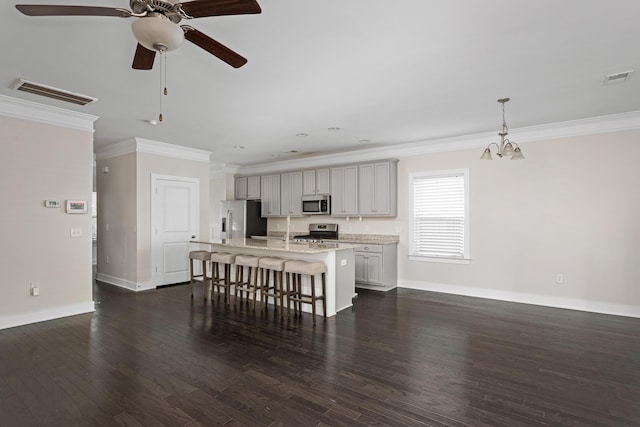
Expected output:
(404, 358)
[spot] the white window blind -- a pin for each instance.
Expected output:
(439, 215)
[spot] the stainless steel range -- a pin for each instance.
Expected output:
(319, 233)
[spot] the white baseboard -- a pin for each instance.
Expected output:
(44, 315)
(524, 298)
(124, 283)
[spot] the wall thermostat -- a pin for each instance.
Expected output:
(51, 203)
(76, 206)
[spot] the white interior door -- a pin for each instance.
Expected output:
(175, 204)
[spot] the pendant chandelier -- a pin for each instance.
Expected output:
(506, 147)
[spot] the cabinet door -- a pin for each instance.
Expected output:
(366, 189)
(360, 267)
(351, 190)
(381, 189)
(373, 268)
(240, 188)
(309, 183)
(374, 189)
(291, 194)
(253, 187)
(323, 181)
(270, 192)
(344, 191)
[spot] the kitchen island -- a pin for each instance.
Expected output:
(338, 257)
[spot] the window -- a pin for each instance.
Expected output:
(439, 216)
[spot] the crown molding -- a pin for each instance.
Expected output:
(219, 170)
(572, 128)
(141, 145)
(28, 110)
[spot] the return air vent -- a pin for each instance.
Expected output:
(52, 92)
(618, 77)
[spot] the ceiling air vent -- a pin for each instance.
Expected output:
(618, 77)
(52, 92)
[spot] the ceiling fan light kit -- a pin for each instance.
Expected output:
(156, 32)
(506, 147)
(156, 26)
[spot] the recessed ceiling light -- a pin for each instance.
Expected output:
(333, 129)
(239, 147)
(275, 155)
(302, 135)
(152, 122)
(364, 141)
(291, 151)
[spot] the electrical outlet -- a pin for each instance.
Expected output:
(76, 232)
(35, 289)
(343, 262)
(559, 278)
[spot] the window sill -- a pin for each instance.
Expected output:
(440, 259)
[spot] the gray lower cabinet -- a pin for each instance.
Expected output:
(376, 266)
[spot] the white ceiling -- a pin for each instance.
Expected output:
(389, 72)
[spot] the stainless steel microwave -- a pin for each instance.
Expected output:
(316, 205)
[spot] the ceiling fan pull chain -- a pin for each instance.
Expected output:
(164, 65)
(162, 60)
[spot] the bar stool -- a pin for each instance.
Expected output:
(295, 270)
(266, 266)
(249, 264)
(204, 257)
(217, 280)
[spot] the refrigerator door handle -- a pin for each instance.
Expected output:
(229, 225)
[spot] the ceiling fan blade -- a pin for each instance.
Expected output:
(143, 59)
(215, 48)
(57, 10)
(200, 8)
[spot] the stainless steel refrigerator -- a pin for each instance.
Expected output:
(241, 219)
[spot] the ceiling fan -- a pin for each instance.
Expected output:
(157, 29)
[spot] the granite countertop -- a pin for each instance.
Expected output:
(277, 245)
(368, 239)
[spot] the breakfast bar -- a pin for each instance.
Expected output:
(338, 257)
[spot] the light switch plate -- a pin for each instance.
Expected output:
(76, 232)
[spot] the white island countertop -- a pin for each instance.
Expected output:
(278, 245)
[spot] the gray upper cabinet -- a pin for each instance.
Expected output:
(344, 191)
(291, 194)
(316, 182)
(253, 188)
(270, 192)
(377, 188)
(323, 181)
(247, 188)
(364, 189)
(240, 188)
